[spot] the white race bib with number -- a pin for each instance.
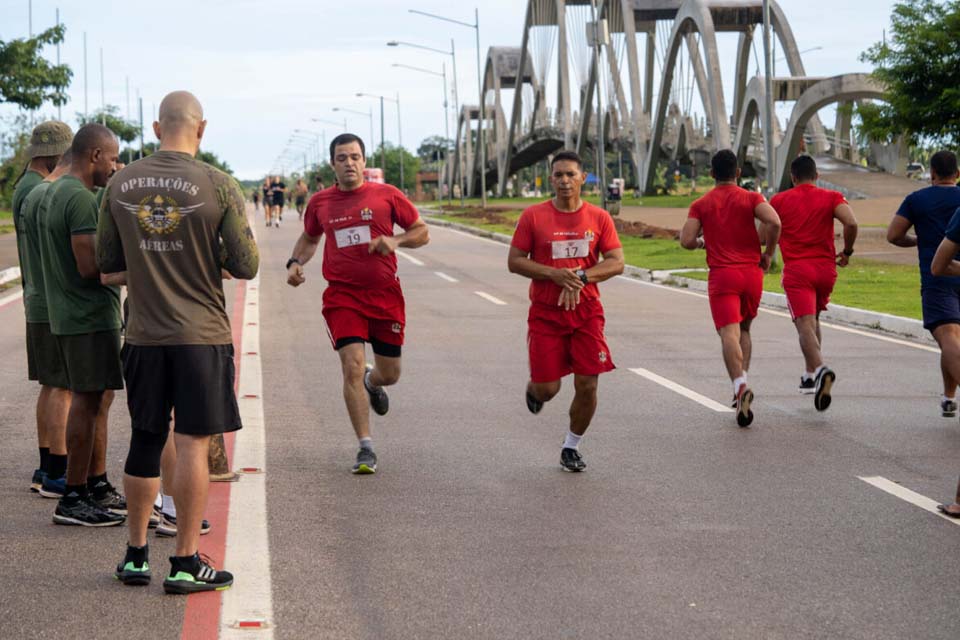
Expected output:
(563, 249)
(352, 236)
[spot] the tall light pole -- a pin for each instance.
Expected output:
(456, 101)
(59, 114)
(446, 122)
(598, 40)
(369, 114)
(314, 137)
(768, 99)
(483, 116)
(399, 129)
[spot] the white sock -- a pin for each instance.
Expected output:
(168, 507)
(366, 443)
(572, 441)
(158, 501)
(948, 399)
(808, 375)
(736, 384)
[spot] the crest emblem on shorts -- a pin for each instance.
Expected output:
(396, 328)
(366, 213)
(588, 235)
(159, 214)
(603, 356)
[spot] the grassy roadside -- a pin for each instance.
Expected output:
(876, 286)
(6, 221)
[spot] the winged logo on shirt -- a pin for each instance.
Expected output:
(159, 214)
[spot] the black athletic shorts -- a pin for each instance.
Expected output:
(196, 381)
(44, 363)
(91, 360)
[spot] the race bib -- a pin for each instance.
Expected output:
(352, 236)
(564, 249)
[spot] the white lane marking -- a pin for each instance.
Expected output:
(248, 542)
(470, 235)
(5, 300)
(781, 314)
(903, 493)
(409, 257)
(682, 390)
(441, 274)
(489, 298)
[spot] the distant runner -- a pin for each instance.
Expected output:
(725, 217)
(810, 261)
(558, 245)
(300, 193)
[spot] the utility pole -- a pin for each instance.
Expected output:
(30, 17)
(59, 110)
(601, 168)
(140, 101)
(86, 88)
(103, 98)
(400, 141)
(383, 149)
(483, 118)
(768, 101)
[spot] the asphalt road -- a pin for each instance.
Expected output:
(683, 525)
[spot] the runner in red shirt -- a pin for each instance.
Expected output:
(810, 262)
(363, 301)
(558, 245)
(725, 218)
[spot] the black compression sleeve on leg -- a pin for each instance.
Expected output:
(143, 459)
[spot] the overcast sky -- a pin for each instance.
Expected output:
(263, 69)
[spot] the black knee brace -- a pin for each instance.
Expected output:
(143, 459)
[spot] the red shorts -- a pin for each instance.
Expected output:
(808, 285)
(562, 342)
(734, 294)
(366, 315)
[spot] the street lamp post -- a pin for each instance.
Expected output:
(396, 101)
(483, 151)
(768, 99)
(446, 123)
(456, 102)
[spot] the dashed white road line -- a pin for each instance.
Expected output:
(914, 498)
(490, 298)
(407, 256)
(682, 390)
(442, 275)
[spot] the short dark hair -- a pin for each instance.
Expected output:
(804, 168)
(944, 163)
(89, 137)
(347, 138)
(567, 155)
(724, 165)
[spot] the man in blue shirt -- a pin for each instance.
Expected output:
(929, 212)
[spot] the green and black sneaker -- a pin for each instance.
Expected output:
(193, 574)
(366, 462)
(134, 570)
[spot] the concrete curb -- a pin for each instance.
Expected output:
(7, 275)
(906, 328)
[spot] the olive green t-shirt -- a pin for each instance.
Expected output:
(172, 223)
(31, 268)
(75, 304)
(26, 184)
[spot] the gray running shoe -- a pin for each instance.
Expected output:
(378, 397)
(571, 460)
(366, 462)
(85, 513)
(948, 408)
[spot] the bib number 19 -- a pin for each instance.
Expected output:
(352, 236)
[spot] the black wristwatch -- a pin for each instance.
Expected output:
(848, 252)
(292, 261)
(583, 276)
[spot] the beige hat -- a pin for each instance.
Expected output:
(51, 138)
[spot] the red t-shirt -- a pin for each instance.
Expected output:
(546, 233)
(806, 216)
(729, 233)
(351, 219)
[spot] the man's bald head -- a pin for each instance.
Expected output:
(180, 124)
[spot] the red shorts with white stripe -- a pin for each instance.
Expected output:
(563, 342)
(808, 285)
(734, 294)
(365, 315)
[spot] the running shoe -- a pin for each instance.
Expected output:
(195, 574)
(155, 518)
(744, 400)
(37, 480)
(533, 405)
(571, 460)
(53, 487)
(85, 513)
(378, 397)
(131, 572)
(948, 408)
(167, 526)
(366, 462)
(107, 497)
(807, 385)
(825, 380)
